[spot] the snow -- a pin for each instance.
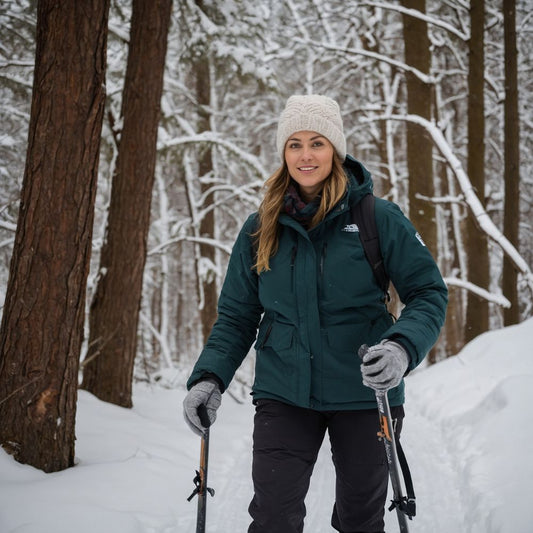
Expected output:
(467, 436)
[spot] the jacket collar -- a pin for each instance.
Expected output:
(359, 179)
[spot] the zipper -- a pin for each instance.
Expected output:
(267, 335)
(323, 258)
(321, 283)
(293, 261)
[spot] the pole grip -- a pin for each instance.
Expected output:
(202, 414)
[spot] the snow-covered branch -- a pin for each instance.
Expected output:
(213, 138)
(120, 32)
(449, 199)
(9, 226)
(481, 216)
(497, 299)
(247, 192)
(348, 52)
(419, 15)
(167, 356)
(15, 63)
(7, 242)
(189, 238)
(16, 80)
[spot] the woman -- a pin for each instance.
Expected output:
(298, 272)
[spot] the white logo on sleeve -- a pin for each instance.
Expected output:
(417, 235)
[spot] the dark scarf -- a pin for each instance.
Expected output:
(295, 207)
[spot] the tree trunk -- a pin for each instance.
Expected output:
(114, 314)
(422, 212)
(208, 311)
(511, 214)
(477, 309)
(419, 146)
(453, 256)
(42, 323)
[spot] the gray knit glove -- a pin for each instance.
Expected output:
(384, 365)
(206, 392)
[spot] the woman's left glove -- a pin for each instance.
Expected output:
(384, 365)
(206, 392)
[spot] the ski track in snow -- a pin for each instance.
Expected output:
(435, 476)
(234, 489)
(465, 435)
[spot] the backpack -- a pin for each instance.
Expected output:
(363, 215)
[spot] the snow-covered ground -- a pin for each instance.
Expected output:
(468, 437)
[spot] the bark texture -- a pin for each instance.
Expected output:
(114, 313)
(477, 309)
(511, 216)
(42, 323)
(419, 145)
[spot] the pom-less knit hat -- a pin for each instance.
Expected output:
(312, 112)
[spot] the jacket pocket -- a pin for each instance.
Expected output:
(276, 361)
(265, 328)
(274, 334)
(278, 336)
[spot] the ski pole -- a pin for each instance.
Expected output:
(200, 480)
(387, 435)
(403, 506)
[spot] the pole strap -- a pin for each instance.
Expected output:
(408, 503)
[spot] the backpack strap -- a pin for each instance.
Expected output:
(363, 214)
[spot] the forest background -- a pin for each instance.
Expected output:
(137, 135)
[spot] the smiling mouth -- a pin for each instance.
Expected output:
(306, 169)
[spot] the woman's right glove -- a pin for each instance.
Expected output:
(205, 392)
(384, 365)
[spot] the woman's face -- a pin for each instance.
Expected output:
(309, 158)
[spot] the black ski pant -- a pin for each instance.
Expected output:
(286, 443)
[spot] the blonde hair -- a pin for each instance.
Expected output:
(266, 236)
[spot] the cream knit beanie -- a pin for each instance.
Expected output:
(313, 112)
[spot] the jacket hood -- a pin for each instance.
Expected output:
(359, 179)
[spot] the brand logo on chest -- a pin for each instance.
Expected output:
(350, 228)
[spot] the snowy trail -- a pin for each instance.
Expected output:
(466, 435)
(435, 477)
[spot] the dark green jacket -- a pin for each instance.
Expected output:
(320, 302)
